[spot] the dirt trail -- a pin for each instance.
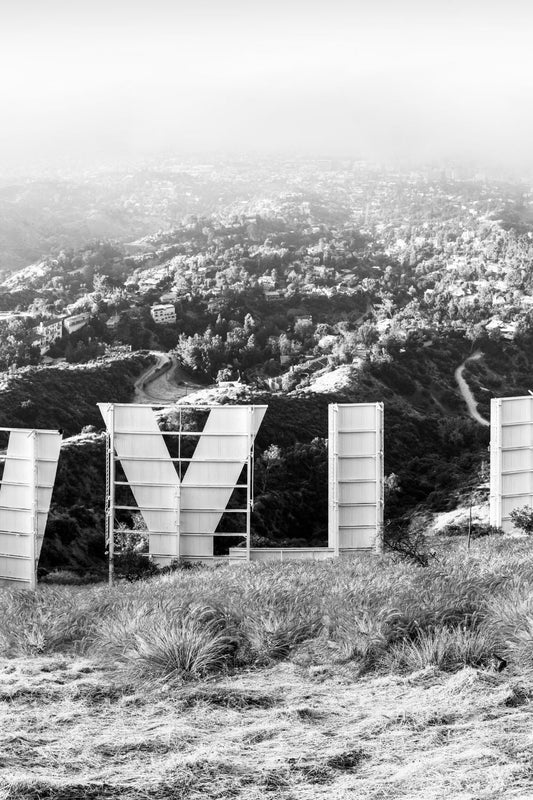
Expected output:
(164, 381)
(465, 390)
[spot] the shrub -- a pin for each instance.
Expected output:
(409, 543)
(477, 531)
(134, 566)
(522, 518)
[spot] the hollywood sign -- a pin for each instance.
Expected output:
(183, 497)
(186, 493)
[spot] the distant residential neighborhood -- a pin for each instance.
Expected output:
(330, 260)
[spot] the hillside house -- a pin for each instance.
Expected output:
(168, 297)
(163, 314)
(51, 333)
(48, 334)
(76, 322)
(113, 322)
(147, 284)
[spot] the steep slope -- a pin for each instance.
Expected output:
(65, 396)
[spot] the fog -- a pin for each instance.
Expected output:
(385, 79)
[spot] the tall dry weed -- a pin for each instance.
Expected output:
(447, 648)
(375, 611)
(510, 618)
(169, 641)
(49, 620)
(274, 623)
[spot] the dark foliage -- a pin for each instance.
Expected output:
(477, 530)
(66, 398)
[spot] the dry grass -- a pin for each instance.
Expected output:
(379, 614)
(170, 643)
(334, 680)
(283, 731)
(448, 648)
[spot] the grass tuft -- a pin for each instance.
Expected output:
(277, 620)
(170, 643)
(448, 648)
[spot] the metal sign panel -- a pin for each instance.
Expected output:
(355, 518)
(30, 466)
(219, 458)
(511, 458)
(143, 453)
(181, 517)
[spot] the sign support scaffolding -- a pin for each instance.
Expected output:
(110, 493)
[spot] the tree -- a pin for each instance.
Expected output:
(368, 334)
(224, 374)
(249, 324)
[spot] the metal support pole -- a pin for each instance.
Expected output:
(469, 524)
(111, 492)
(177, 518)
(249, 500)
(380, 499)
(333, 477)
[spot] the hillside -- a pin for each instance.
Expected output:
(433, 458)
(65, 396)
(433, 448)
(302, 283)
(75, 530)
(50, 213)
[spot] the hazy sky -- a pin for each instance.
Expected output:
(378, 78)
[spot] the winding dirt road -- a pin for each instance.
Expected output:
(164, 381)
(465, 390)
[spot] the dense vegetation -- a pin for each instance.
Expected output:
(458, 611)
(75, 531)
(65, 397)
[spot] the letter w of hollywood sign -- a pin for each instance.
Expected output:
(181, 518)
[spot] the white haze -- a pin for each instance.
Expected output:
(381, 79)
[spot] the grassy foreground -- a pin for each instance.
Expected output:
(357, 679)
